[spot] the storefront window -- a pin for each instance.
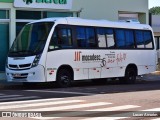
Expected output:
(4, 37)
(4, 14)
(33, 15)
(24, 17)
(57, 14)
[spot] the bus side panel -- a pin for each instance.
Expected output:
(91, 64)
(58, 58)
(146, 61)
(81, 73)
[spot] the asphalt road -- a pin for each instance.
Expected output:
(84, 100)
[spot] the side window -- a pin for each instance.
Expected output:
(129, 39)
(90, 37)
(148, 40)
(101, 37)
(61, 38)
(139, 39)
(85, 37)
(64, 37)
(81, 36)
(110, 38)
(54, 43)
(120, 38)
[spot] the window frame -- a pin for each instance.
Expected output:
(75, 45)
(60, 26)
(153, 45)
(85, 31)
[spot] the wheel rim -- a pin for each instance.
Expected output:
(131, 76)
(65, 80)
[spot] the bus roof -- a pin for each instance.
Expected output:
(100, 23)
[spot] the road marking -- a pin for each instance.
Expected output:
(19, 98)
(69, 107)
(40, 104)
(154, 109)
(116, 108)
(30, 101)
(156, 119)
(61, 92)
(7, 96)
(90, 112)
(100, 110)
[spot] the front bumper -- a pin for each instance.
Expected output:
(36, 74)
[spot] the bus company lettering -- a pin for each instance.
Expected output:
(91, 57)
(77, 56)
(118, 58)
(85, 58)
(121, 57)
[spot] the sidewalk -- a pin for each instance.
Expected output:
(152, 76)
(3, 81)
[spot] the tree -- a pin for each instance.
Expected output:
(154, 10)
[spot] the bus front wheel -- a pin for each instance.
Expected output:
(130, 76)
(64, 78)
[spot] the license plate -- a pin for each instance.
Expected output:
(16, 75)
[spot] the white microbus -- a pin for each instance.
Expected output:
(67, 49)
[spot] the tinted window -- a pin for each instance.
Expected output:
(90, 37)
(139, 39)
(144, 39)
(4, 14)
(32, 39)
(61, 38)
(120, 38)
(129, 35)
(85, 37)
(148, 39)
(81, 37)
(28, 14)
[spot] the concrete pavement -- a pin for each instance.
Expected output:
(152, 76)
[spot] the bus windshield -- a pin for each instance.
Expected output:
(31, 40)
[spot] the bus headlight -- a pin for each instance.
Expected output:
(36, 60)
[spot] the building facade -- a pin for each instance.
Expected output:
(14, 14)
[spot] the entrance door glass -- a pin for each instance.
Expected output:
(4, 44)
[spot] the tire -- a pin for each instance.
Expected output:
(130, 77)
(64, 78)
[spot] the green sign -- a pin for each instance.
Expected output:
(44, 4)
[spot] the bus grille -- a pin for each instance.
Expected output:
(19, 67)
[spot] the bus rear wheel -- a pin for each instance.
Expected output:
(130, 76)
(64, 78)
